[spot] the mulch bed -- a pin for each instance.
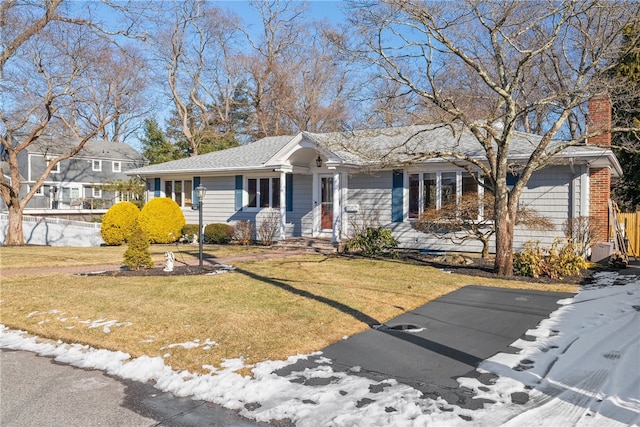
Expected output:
(477, 267)
(184, 270)
(483, 267)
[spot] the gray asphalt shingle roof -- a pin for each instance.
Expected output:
(361, 147)
(248, 156)
(94, 149)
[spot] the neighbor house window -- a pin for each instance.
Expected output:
(263, 192)
(116, 167)
(180, 191)
(56, 168)
(96, 165)
(96, 192)
(39, 191)
(433, 190)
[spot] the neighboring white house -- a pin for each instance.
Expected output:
(319, 188)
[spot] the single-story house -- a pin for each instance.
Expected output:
(317, 186)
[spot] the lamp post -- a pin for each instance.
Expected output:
(201, 193)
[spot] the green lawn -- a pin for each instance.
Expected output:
(265, 310)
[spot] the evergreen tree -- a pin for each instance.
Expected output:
(137, 255)
(156, 147)
(627, 113)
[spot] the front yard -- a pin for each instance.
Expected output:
(264, 310)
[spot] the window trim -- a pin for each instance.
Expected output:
(96, 165)
(186, 200)
(113, 166)
(438, 182)
(96, 193)
(259, 201)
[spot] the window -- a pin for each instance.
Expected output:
(433, 190)
(39, 191)
(181, 191)
(96, 165)
(421, 200)
(263, 192)
(116, 167)
(96, 192)
(56, 168)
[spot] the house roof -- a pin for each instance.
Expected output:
(366, 148)
(93, 149)
(244, 157)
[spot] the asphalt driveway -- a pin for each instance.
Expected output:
(428, 348)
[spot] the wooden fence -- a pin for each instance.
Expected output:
(631, 223)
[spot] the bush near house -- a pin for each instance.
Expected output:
(372, 241)
(118, 223)
(188, 233)
(244, 232)
(555, 262)
(219, 233)
(162, 220)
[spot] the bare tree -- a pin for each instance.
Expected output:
(523, 62)
(298, 80)
(197, 45)
(459, 221)
(54, 79)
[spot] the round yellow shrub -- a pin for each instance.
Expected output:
(162, 220)
(118, 223)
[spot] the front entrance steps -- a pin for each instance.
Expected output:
(307, 244)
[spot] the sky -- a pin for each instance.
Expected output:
(582, 369)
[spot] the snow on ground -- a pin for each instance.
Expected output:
(580, 367)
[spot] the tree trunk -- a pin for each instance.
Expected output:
(15, 236)
(485, 248)
(504, 220)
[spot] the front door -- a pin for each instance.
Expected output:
(326, 203)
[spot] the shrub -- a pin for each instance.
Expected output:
(268, 226)
(372, 241)
(218, 233)
(138, 254)
(530, 261)
(553, 262)
(244, 232)
(188, 231)
(162, 220)
(118, 222)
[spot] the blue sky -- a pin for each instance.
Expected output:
(319, 10)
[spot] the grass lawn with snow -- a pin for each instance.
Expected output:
(264, 310)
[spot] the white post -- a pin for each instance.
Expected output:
(337, 210)
(283, 205)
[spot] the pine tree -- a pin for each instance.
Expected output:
(138, 255)
(156, 147)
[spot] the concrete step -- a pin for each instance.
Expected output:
(308, 244)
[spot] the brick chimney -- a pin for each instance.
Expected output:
(599, 120)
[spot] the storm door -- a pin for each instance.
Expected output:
(326, 203)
